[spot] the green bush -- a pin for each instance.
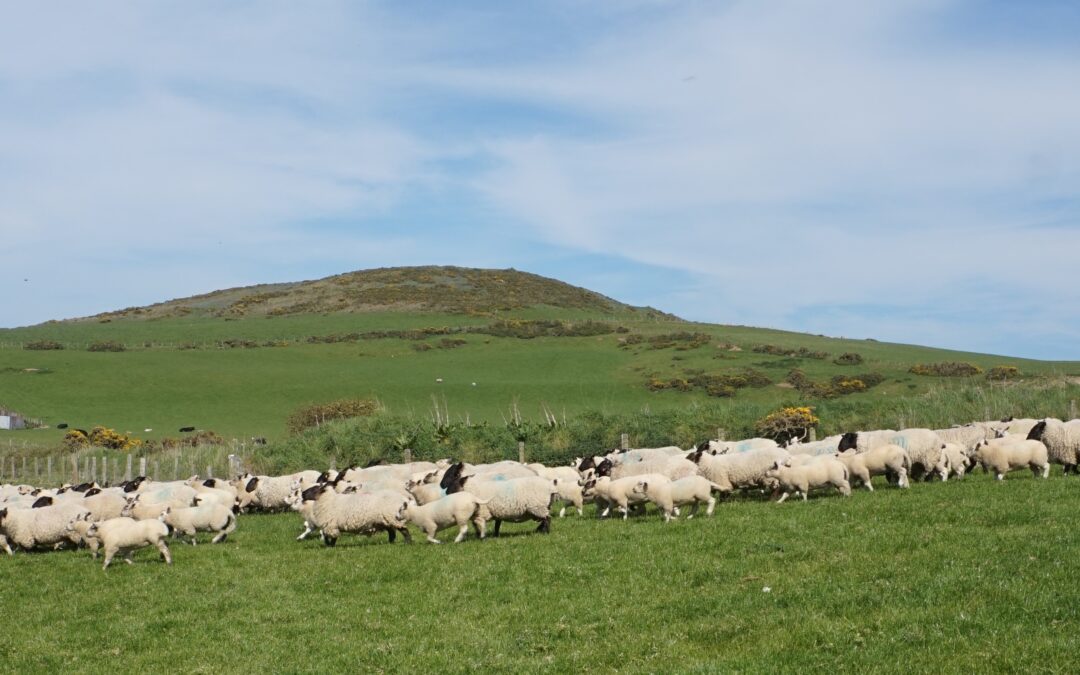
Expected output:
(848, 359)
(106, 346)
(321, 413)
(43, 345)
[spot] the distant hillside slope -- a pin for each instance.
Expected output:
(455, 290)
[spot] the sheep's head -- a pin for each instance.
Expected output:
(164, 513)
(1037, 431)
(695, 456)
(848, 440)
(403, 511)
(92, 531)
(588, 488)
(604, 468)
(641, 488)
(3, 514)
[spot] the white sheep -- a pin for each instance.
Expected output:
(359, 513)
(514, 500)
(669, 496)
(620, 492)
(923, 447)
(674, 467)
(826, 446)
(566, 482)
(1062, 441)
(205, 518)
(1002, 455)
(956, 459)
(35, 527)
(124, 535)
(741, 470)
(105, 504)
(882, 460)
(456, 509)
(801, 479)
(78, 532)
(718, 447)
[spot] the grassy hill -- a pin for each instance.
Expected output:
(474, 342)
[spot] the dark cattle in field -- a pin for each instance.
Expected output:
(185, 430)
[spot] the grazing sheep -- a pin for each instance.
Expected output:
(882, 460)
(923, 447)
(124, 535)
(742, 470)
(1062, 441)
(44, 526)
(206, 518)
(669, 496)
(359, 513)
(819, 473)
(1003, 455)
(456, 509)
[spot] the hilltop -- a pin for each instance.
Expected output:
(451, 290)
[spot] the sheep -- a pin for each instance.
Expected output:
(456, 509)
(174, 493)
(105, 504)
(956, 459)
(672, 467)
(800, 479)
(742, 470)
(669, 496)
(513, 500)
(1009, 453)
(124, 535)
(968, 435)
(1062, 441)
(206, 518)
(78, 532)
(425, 493)
(43, 526)
(566, 482)
(269, 493)
(923, 447)
(619, 492)
(826, 446)
(304, 508)
(1015, 427)
(718, 447)
(365, 513)
(884, 459)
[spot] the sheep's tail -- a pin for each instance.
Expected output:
(481, 502)
(230, 524)
(715, 486)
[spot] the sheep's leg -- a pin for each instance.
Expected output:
(463, 529)
(127, 557)
(391, 535)
(307, 530)
(693, 509)
(498, 525)
(999, 476)
(405, 534)
(431, 536)
(481, 528)
(545, 525)
(711, 505)
(109, 553)
(782, 498)
(803, 495)
(165, 555)
(562, 511)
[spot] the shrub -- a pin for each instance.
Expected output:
(801, 352)
(452, 343)
(106, 346)
(848, 359)
(100, 437)
(787, 423)
(1001, 373)
(75, 439)
(320, 413)
(422, 347)
(192, 440)
(43, 345)
(946, 369)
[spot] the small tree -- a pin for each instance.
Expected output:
(787, 423)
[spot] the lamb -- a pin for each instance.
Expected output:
(78, 532)
(304, 508)
(956, 459)
(923, 447)
(124, 535)
(884, 459)
(800, 479)
(1006, 454)
(513, 500)
(269, 493)
(742, 470)
(566, 482)
(205, 518)
(620, 492)
(669, 496)
(425, 493)
(364, 513)
(43, 526)
(456, 509)
(1062, 441)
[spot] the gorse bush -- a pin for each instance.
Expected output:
(848, 359)
(787, 423)
(946, 369)
(321, 413)
(801, 352)
(1000, 373)
(106, 346)
(43, 345)
(101, 437)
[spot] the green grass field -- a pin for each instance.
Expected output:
(955, 577)
(250, 392)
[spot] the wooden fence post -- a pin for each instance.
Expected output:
(157, 470)
(104, 470)
(720, 433)
(209, 471)
(521, 452)
(127, 469)
(407, 454)
(142, 466)
(176, 466)
(74, 469)
(37, 471)
(93, 469)
(48, 468)
(116, 469)
(1072, 409)
(624, 441)
(24, 468)
(813, 434)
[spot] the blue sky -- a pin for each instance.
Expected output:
(908, 171)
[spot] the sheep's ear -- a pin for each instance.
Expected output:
(644, 485)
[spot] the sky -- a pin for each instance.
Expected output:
(906, 170)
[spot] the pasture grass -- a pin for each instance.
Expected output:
(955, 577)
